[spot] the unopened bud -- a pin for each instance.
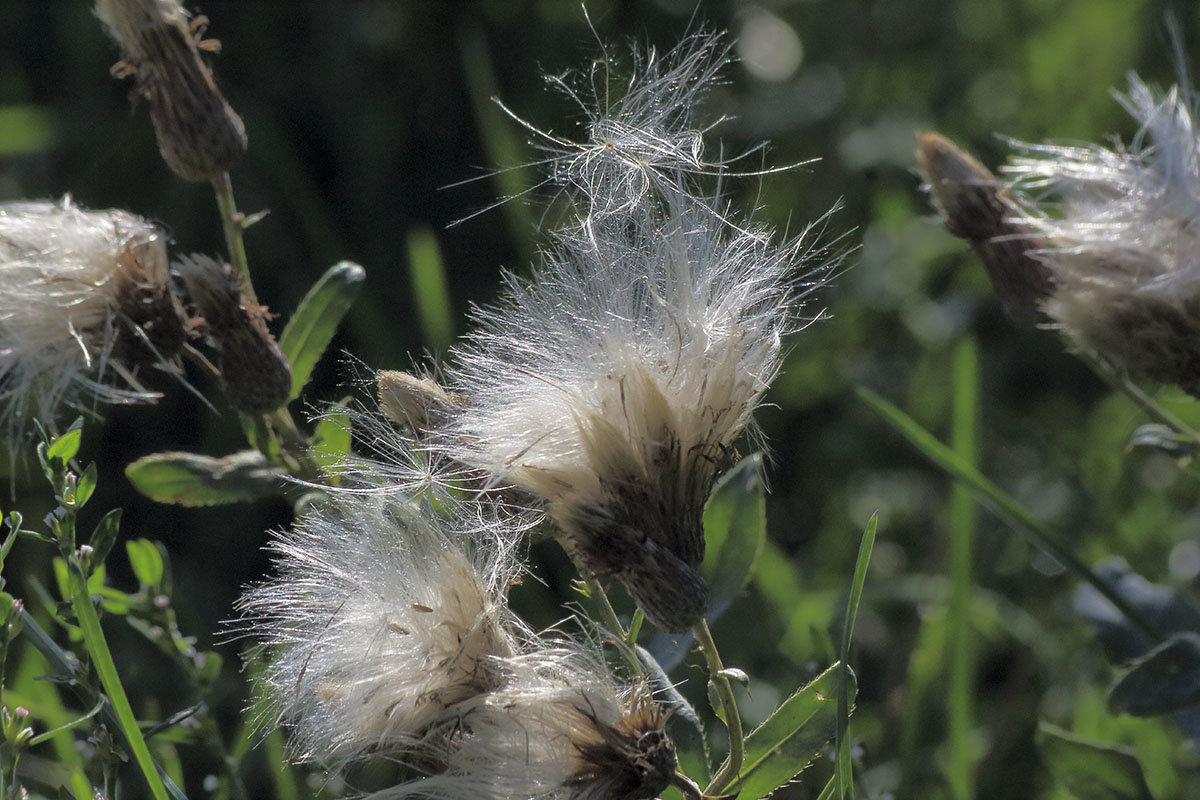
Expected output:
(974, 206)
(199, 135)
(412, 401)
(257, 376)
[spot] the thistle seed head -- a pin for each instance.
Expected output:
(385, 622)
(1120, 228)
(975, 205)
(199, 135)
(85, 302)
(256, 374)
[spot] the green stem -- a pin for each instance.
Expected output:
(93, 637)
(232, 223)
(730, 771)
(1118, 380)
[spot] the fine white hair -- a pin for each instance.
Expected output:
(77, 289)
(1120, 228)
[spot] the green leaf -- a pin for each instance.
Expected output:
(146, 561)
(105, 535)
(1164, 680)
(1091, 770)
(735, 529)
(780, 748)
(845, 773)
(311, 328)
(85, 486)
(93, 637)
(427, 273)
(66, 446)
(191, 479)
(330, 443)
(1003, 505)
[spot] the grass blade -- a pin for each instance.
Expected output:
(845, 770)
(1003, 505)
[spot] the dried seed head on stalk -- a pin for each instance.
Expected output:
(199, 135)
(1120, 228)
(256, 374)
(561, 727)
(85, 301)
(386, 620)
(613, 384)
(976, 206)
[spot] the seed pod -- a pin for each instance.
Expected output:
(256, 374)
(410, 401)
(199, 135)
(975, 206)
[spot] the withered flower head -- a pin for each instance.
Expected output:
(199, 135)
(256, 374)
(613, 384)
(976, 206)
(85, 301)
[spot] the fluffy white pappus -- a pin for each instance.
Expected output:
(386, 620)
(643, 132)
(613, 384)
(1120, 229)
(85, 300)
(561, 728)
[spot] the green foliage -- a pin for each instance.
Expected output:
(311, 328)
(1091, 770)
(191, 479)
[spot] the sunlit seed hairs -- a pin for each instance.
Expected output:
(199, 135)
(385, 620)
(614, 382)
(561, 727)
(85, 301)
(1121, 232)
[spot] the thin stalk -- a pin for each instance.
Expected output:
(233, 223)
(731, 770)
(1120, 381)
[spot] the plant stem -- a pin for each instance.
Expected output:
(232, 222)
(1120, 381)
(730, 771)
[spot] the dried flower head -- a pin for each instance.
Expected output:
(386, 619)
(199, 135)
(614, 383)
(1121, 232)
(255, 372)
(561, 727)
(85, 301)
(411, 401)
(976, 206)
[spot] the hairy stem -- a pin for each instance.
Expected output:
(731, 769)
(232, 221)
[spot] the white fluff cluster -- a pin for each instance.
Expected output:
(387, 632)
(614, 382)
(385, 619)
(1121, 232)
(85, 298)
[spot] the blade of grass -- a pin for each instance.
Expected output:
(93, 637)
(427, 271)
(1004, 506)
(845, 770)
(961, 533)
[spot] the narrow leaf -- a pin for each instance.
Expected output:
(427, 272)
(845, 772)
(191, 479)
(1002, 504)
(1091, 770)
(102, 661)
(792, 737)
(85, 486)
(145, 560)
(311, 328)
(104, 535)
(735, 529)
(330, 442)
(1165, 680)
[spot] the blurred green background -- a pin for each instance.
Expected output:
(371, 131)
